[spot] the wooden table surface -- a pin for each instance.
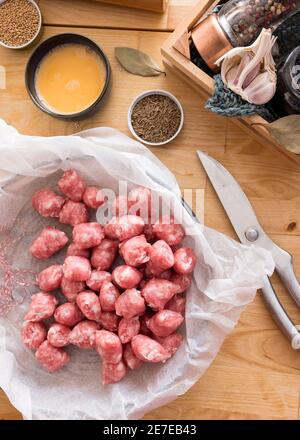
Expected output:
(256, 375)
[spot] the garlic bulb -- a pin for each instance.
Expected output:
(250, 71)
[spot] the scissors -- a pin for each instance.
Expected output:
(249, 231)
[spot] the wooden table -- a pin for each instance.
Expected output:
(256, 375)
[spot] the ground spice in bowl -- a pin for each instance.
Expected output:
(155, 118)
(20, 23)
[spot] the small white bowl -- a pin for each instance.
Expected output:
(148, 93)
(36, 35)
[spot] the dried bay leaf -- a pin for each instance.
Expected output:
(287, 132)
(137, 62)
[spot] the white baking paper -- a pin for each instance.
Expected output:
(226, 279)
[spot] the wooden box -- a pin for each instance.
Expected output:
(149, 5)
(204, 84)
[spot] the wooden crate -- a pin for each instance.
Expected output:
(149, 5)
(204, 84)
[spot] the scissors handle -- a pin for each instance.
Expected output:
(288, 277)
(279, 315)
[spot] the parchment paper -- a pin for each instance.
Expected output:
(226, 279)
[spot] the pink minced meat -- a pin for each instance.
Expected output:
(89, 304)
(88, 235)
(72, 185)
(126, 277)
(73, 213)
(93, 197)
(108, 296)
(148, 350)
(58, 335)
(77, 268)
(33, 334)
(51, 358)
(50, 278)
(50, 241)
(104, 255)
(47, 203)
(83, 334)
(130, 303)
(42, 307)
(109, 346)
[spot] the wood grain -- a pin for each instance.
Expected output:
(148, 5)
(256, 374)
(95, 14)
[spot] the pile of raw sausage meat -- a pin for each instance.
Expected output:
(129, 314)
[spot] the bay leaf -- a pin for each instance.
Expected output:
(137, 62)
(287, 132)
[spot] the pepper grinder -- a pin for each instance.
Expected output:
(238, 24)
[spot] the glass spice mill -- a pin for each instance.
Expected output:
(239, 23)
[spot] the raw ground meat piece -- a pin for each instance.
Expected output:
(140, 200)
(83, 334)
(177, 304)
(93, 197)
(104, 255)
(148, 350)
(164, 323)
(165, 229)
(109, 346)
(88, 235)
(126, 277)
(130, 358)
(128, 328)
(58, 335)
(33, 334)
(108, 296)
(109, 321)
(183, 281)
(51, 358)
(171, 343)
(42, 307)
(47, 203)
(77, 268)
(185, 260)
(112, 373)
(73, 213)
(88, 302)
(97, 279)
(135, 251)
(125, 227)
(50, 278)
(68, 314)
(161, 255)
(157, 292)
(72, 185)
(73, 250)
(120, 206)
(130, 303)
(71, 288)
(50, 241)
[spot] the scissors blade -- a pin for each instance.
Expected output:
(232, 197)
(238, 208)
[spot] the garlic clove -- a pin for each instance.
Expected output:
(251, 75)
(245, 60)
(260, 91)
(244, 68)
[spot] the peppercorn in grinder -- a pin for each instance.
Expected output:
(238, 24)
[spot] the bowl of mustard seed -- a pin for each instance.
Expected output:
(155, 117)
(20, 23)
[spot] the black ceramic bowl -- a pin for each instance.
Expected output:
(38, 55)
